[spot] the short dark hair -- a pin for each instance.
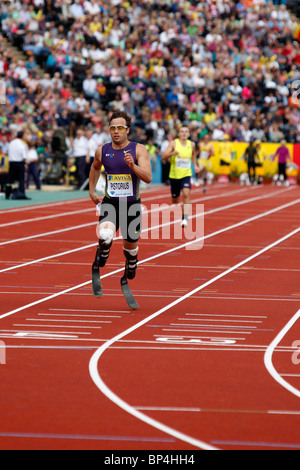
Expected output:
(121, 114)
(20, 134)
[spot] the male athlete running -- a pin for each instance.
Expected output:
(125, 164)
(181, 152)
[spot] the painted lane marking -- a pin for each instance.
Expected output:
(212, 410)
(85, 437)
(50, 205)
(218, 232)
(80, 211)
(258, 444)
(94, 362)
(269, 355)
(160, 226)
(54, 232)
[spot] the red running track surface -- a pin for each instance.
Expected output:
(209, 361)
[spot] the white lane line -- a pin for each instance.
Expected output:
(92, 209)
(94, 362)
(50, 205)
(117, 294)
(76, 315)
(56, 326)
(67, 321)
(210, 343)
(208, 331)
(196, 337)
(12, 268)
(47, 217)
(218, 232)
(213, 268)
(63, 214)
(204, 410)
(215, 326)
(54, 232)
(290, 375)
(213, 211)
(218, 315)
(35, 331)
(269, 354)
(46, 234)
(270, 299)
(219, 320)
(94, 311)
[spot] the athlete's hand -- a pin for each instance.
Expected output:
(95, 198)
(129, 160)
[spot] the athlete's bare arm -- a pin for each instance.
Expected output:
(170, 151)
(95, 175)
(194, 157)
(143, 167)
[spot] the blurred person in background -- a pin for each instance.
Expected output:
(80, 151)
(17, 155)
(32, 167)
(251, 157)
(284, 157)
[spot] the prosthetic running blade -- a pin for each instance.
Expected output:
(132, 303)
(96, 281)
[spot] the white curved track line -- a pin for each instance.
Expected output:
(269, 354)
(93, 366)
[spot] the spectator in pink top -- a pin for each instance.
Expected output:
(284, 157)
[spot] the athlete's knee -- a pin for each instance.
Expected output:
(131, 262)
(106, 236)
(105, 243)
(186, 196)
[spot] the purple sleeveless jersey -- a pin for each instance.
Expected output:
(121, 181)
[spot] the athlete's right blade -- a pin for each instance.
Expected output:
(132, 303)
(96, 281)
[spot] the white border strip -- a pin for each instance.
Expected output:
(93, 366)
(269, 354)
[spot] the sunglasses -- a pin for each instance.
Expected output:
(118, 128)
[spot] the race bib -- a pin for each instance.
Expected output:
(183, 163)
(204, 154)
(119, 185)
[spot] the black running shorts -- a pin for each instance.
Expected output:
(124, 215)
(178, 185)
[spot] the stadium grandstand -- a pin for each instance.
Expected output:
(225, 68)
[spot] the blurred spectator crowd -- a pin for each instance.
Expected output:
(222, 67)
